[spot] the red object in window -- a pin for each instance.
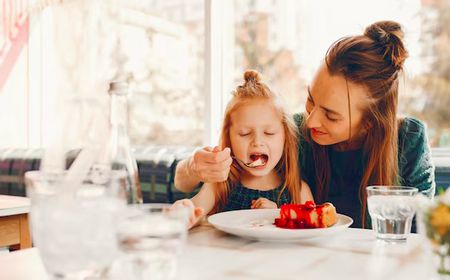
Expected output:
(13, 35)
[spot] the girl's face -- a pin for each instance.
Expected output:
(328, 109)
(257, 131)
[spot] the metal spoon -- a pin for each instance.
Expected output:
(249, 164)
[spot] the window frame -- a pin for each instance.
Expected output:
(219, 37)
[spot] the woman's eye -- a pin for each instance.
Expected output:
(332, 119)
(269, 133)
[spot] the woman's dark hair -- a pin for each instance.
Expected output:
(373, 60)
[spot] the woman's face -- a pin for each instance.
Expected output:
(328, 108)
(257, 131)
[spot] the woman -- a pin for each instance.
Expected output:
(351, 135)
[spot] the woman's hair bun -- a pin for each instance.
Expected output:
(252, 76)
(389, 35)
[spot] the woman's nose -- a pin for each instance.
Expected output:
(313, 120)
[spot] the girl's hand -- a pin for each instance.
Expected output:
(195, 213)
(263, 203)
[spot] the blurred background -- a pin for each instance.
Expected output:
(183, 58)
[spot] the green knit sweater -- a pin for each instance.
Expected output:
(415, 168)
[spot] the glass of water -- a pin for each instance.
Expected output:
(74, 231)
(152, 237)
(391, 209)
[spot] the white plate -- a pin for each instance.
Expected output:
(258, 224)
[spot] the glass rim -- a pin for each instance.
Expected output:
(139, 211)
(384, 188)
(37, 175)
(150, 206)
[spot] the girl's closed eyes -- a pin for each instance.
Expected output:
(243, 134)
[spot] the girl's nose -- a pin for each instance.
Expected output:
(313, 119)
(257, 140)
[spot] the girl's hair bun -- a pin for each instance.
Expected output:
(252, 76)
(389, 35)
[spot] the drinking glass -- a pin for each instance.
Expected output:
(74, 231)
(152, 237)
(391, 209)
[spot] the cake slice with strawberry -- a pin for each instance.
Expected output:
(308, 215)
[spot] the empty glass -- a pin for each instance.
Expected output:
(391, 209)
(152, 237)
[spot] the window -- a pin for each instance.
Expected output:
(185, 57)
(164, 52)
(158, 46)
(286, 40)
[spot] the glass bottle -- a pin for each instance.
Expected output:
(120, 151)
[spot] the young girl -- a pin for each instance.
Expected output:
(257, 129)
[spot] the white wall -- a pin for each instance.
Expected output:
(14, 105)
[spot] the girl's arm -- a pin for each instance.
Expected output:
(200, 205)
(305, 193)
(205, 198)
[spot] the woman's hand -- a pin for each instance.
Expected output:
(195, 213)
(263, 203)
(210, 165)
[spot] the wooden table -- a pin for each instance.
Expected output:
(14, 226)
(353, 254)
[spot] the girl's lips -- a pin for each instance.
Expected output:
(316, 132)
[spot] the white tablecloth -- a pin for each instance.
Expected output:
(212, 254)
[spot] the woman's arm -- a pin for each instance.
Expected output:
(185, 181)
(209, 165)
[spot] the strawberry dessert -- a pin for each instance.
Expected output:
(308, 215)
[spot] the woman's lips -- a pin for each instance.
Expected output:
(316, 132)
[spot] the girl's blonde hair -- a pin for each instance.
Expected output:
(287, 167)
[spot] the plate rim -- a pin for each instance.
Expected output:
(348, 221)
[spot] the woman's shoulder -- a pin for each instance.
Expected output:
(299, 118)
(410, 126)
(412, 135)
(415, 163)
